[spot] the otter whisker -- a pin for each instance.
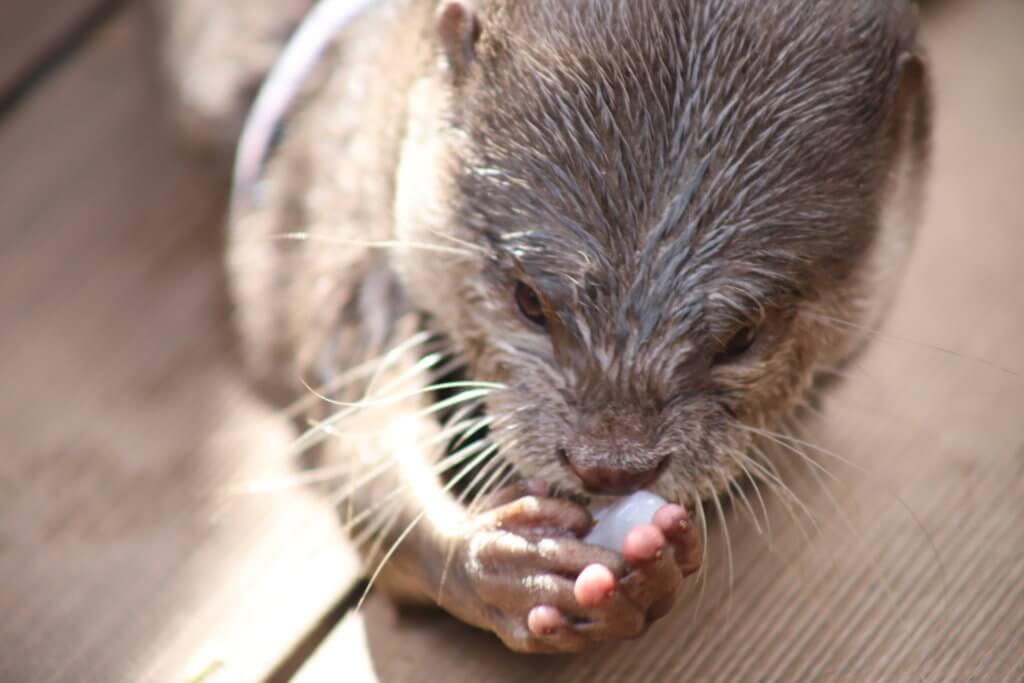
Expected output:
(412, 525)
(390, 462)
(702, 518)
(489, 475)
(381, 535)
(733, 484)
(328, 426)
(455, 430)
(862, 470)
(871, 475)
(378, 526)
(350, 521)
(496, 483)
(444, 466)
(777, 439)
(425, 363)
(388, 555)
(441, 467)
(858, 538)
(463, 429)
(454, 364)
(318, 476)
(730, 483)
(468, 427)
(849, 376)
(428, 363)
(450, 552)
(376, 402)
(885, 336)
(449, 464)
(850, 463)
(739, 458)
(320, 430)
(787, 495)
(370, 244)
(358, 372)
(455, 400)
(304, 403)
(728, 547)
(455, 239)
(464, 412)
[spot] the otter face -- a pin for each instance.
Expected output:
(670, 205)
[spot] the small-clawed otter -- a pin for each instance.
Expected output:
(635, 231)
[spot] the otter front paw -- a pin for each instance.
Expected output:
(522, 571)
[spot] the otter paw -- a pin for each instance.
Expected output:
(543, 590)
(660, 555)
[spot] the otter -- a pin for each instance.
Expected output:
(537, 255)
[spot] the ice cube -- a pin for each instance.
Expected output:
(618, 519)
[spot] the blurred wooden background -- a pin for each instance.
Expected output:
(127, 552)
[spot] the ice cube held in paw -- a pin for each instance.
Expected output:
(617, 520)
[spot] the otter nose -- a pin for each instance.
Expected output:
(612, 480)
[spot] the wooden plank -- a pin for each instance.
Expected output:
(921, 570)
(33, 32)
(126, 553)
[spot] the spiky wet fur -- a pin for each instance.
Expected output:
(664, 172)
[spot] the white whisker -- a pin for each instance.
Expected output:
(446, 464)
(845, 324)
(699, 508)
(771, 476)
(412, 525)
(442, 466)
(319, 431)
(356, 373)
(369, 244)
(728, 548)
(739, 457)
(782, 439)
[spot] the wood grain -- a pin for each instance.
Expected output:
(33, 32)
(913, 564)
(126, 552)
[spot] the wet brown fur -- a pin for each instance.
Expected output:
(663, 172)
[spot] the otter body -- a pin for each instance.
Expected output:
(626, 236)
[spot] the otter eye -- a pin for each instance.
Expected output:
(529, 304)
(738, 345)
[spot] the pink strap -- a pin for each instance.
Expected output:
(304, 49)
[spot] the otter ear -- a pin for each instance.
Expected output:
(911, 70)
(458, 28)
(914, 99)
(910, 121)
(911, 87)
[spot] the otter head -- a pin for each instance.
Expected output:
(668, 215)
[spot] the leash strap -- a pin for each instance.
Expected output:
(303, 51)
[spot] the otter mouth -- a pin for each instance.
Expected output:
(473, 480)
(600, 481)
(469, 482)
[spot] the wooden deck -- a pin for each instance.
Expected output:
(128, 554)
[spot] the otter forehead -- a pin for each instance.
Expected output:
(635, 154)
